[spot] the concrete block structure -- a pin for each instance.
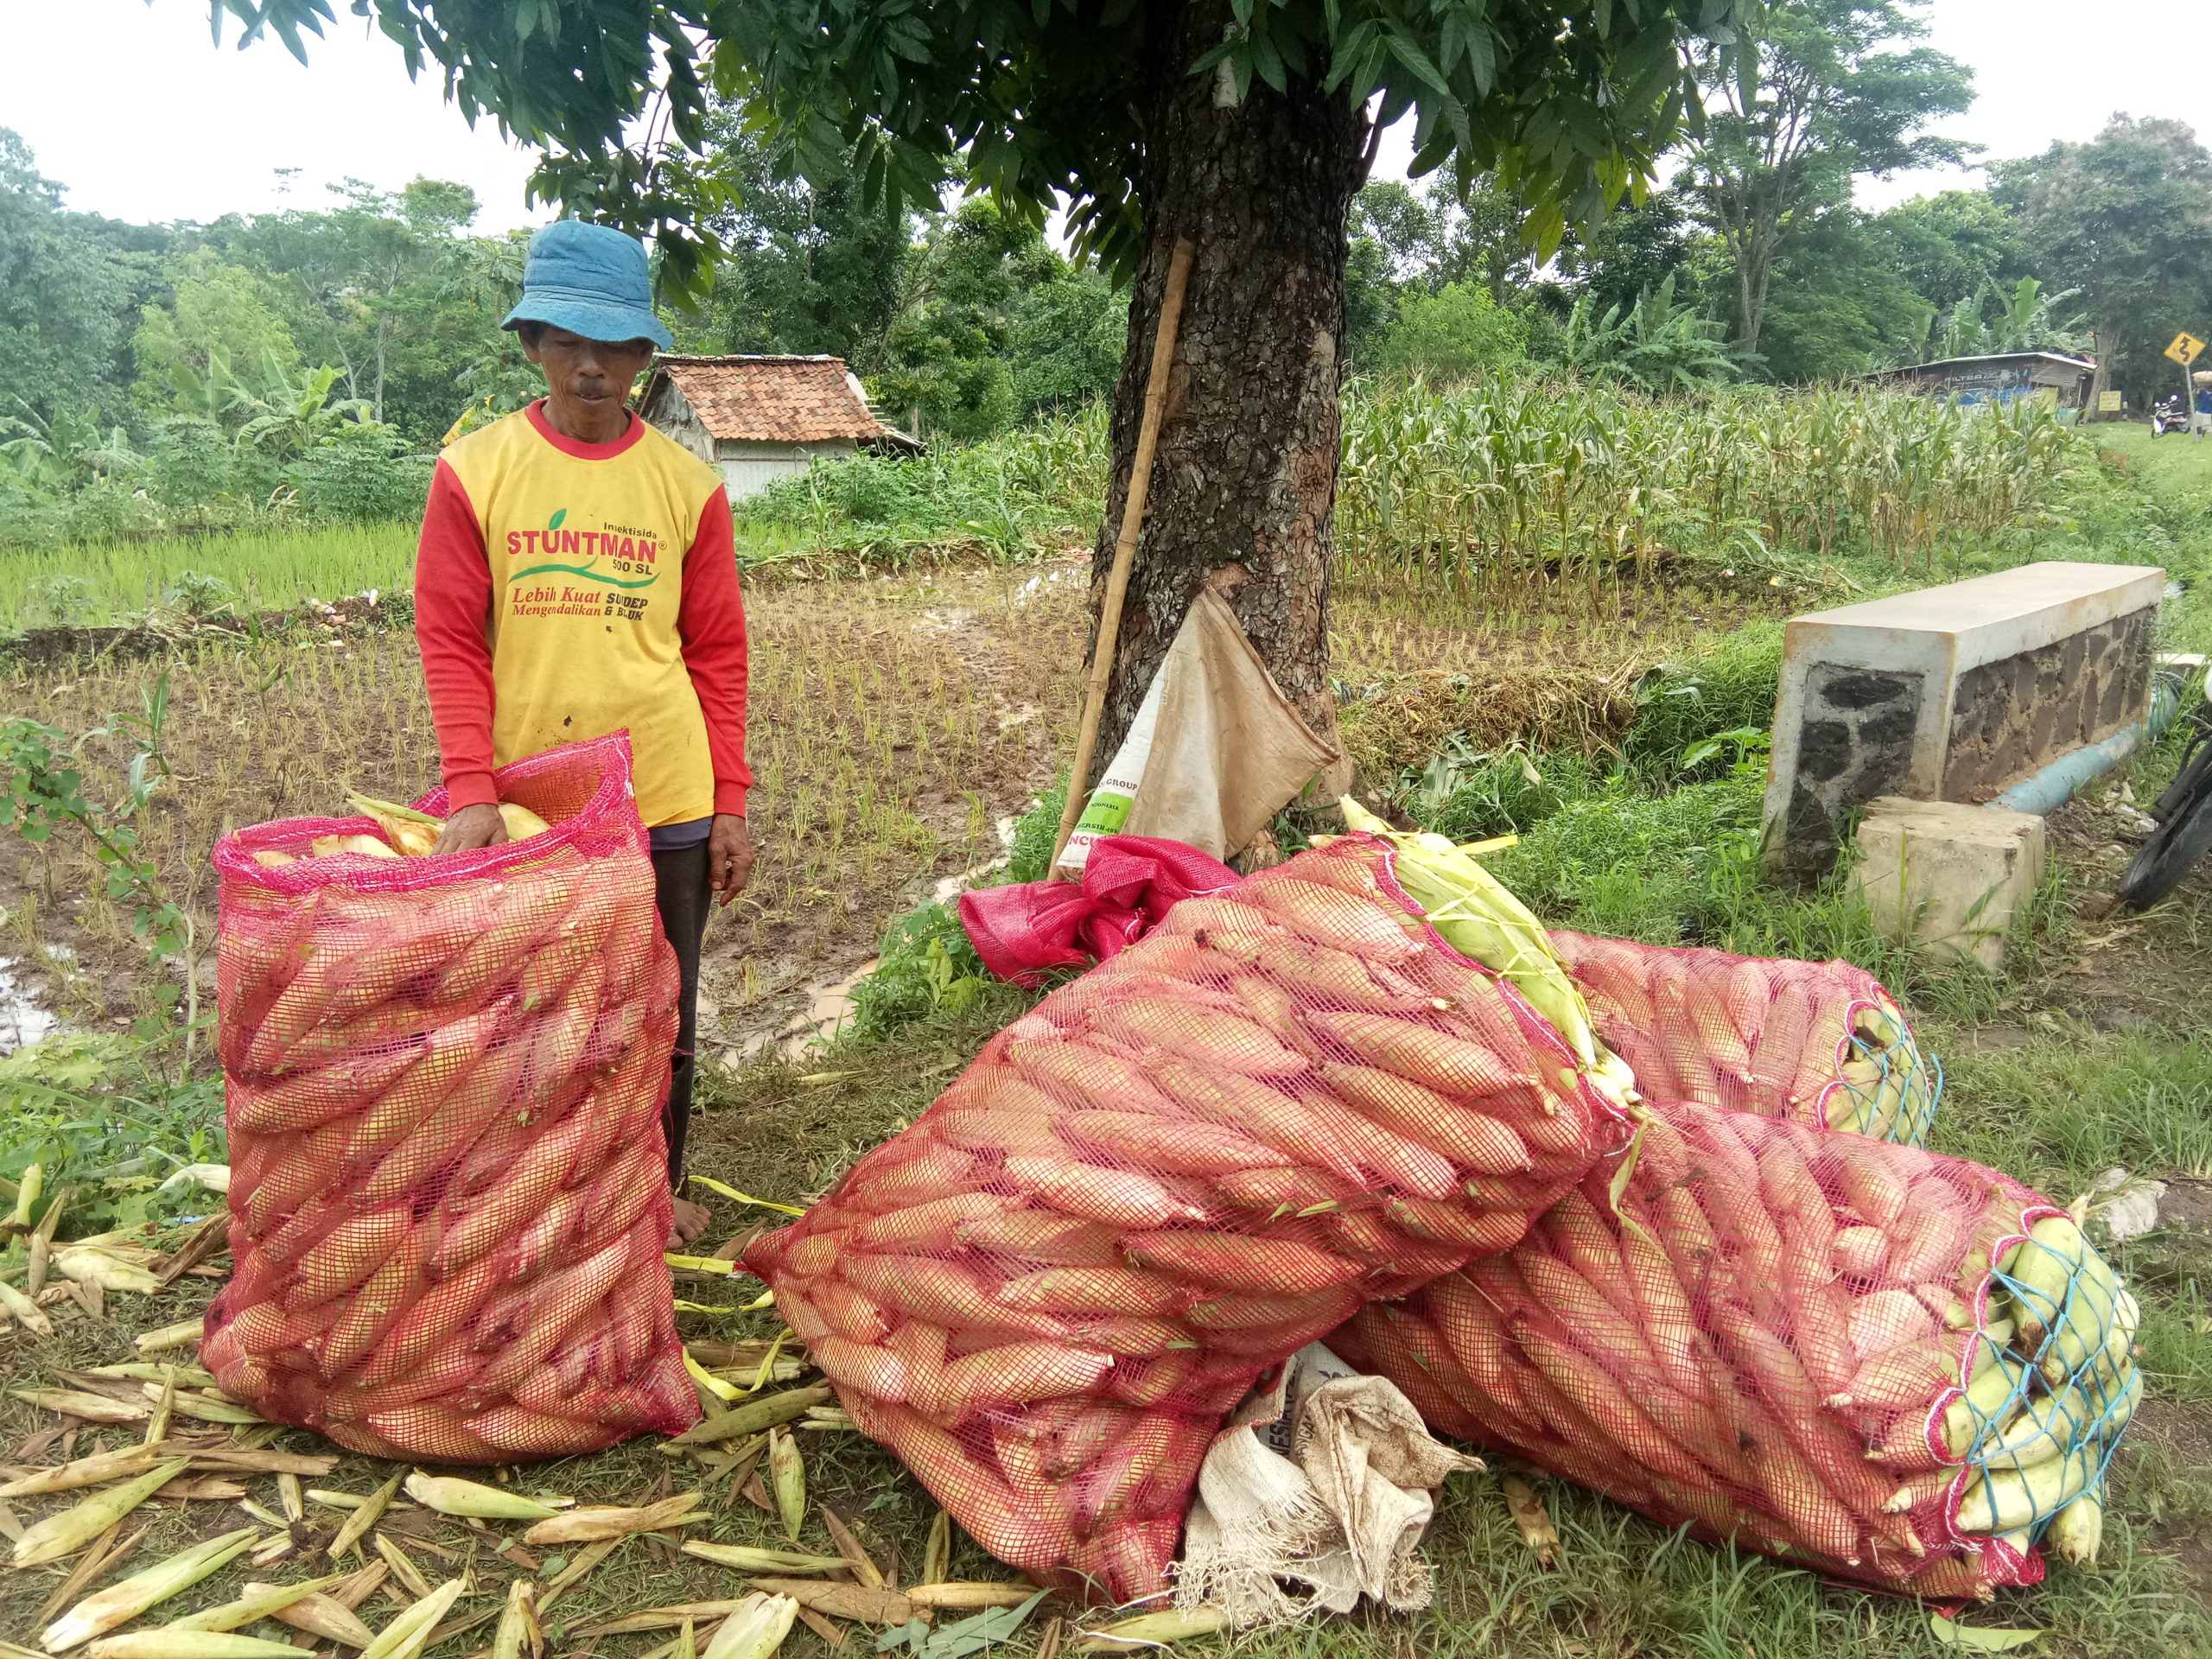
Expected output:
(1950, 876)
(1951, 694)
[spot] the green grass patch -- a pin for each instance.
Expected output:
(260, 570)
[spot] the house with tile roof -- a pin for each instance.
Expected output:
(756, 419)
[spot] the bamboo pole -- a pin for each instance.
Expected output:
(1125, 545)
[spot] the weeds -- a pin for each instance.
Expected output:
(41, 769)
(108, 1118)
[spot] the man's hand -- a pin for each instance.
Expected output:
(729, 855)
(471, 828)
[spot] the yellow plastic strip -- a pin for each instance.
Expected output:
(731, 1192)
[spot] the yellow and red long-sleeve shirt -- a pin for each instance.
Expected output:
(566, 590)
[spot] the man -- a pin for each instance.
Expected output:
(577, 576)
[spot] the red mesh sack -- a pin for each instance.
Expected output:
(1819, 1042)
(1816, 1344)
(443, 1082)
(1172, 1175)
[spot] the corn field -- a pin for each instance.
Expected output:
(1523, 479)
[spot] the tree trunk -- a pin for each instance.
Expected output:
(2107, 345)
(1243, 487)
(378, 411)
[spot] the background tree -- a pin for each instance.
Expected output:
(945, 363)
(218, 323)
(2128, 219)
(1839, 92)
(1457, 332)
(68, 293)
(807, 265)
(1243, 123)
(1629, 252)
(1953, 244)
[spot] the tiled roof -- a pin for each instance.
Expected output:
(773, 399)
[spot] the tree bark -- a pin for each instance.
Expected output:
(2107, 345)
(1243, 489)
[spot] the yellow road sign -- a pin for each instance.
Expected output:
(2185, 348)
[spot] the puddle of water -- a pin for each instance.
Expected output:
(831, 1006)
(22, 1020)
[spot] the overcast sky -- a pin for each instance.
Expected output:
(129, 105)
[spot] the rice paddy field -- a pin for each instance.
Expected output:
(1587, 599)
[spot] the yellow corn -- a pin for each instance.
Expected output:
(590, 1525)
(2078, 1530)
(450, 1495)
(747, 1559)
(183, 1334)
(755, 1629)
(27, 1196)
(936, 1554)
(517, 1629)
(787, 1475)
(169, 1643)
(237, 1615)
(958, 1594)
(25, 1312)
(1152, 1630)
(406, 1633)
(358, 1524)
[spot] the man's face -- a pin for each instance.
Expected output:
(592, 376)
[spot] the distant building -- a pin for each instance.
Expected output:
(2002, 379)
(756, 419)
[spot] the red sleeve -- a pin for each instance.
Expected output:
(452, 609)
(711, 623)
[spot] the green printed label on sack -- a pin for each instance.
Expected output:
(1116, 798)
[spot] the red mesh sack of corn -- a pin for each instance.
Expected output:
(1820, 1042)
(1177, 1171)
(1898, 1368)
(443, 1079)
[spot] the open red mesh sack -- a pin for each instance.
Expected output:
(1819, 1042)
(443, 1080)
(1768, 1341)
(1172, 1175)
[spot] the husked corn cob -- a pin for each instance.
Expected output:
(1174, 1172)
(1700, 1383)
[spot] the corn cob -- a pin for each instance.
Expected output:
(754, 1629)
(65, 1533)
(1546, 1361)
(166, 1642)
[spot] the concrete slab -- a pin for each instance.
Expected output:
(1950, 876)
(1952, 693)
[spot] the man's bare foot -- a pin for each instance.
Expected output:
(690, 1221)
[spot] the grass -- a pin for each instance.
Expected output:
(274, 570)
(896, 720)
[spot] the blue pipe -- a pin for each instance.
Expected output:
(2051, 788)
(2046, 791)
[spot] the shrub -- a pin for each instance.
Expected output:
(1456, 333)
(361, 473)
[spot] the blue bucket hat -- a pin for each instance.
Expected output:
(591, 280)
